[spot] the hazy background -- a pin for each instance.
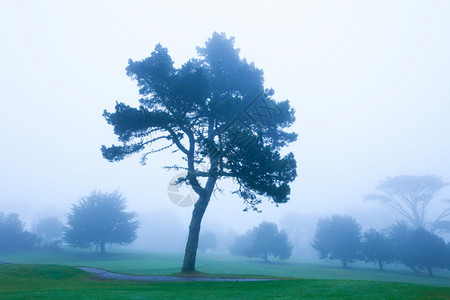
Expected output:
(369, 82)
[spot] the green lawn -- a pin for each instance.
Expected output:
(165, 264)
(63, 282)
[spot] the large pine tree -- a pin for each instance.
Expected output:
(215, 110)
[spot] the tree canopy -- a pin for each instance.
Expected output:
(263, 241)
(339, 238)
(13, 235)
(100, 219)
(418, 248)
(410, 196)
(214, 110)
(377, 247)
(400, 234)
(429, 250)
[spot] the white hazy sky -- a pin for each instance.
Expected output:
(370, 82)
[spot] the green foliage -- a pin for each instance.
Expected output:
(377, 248)
(13, 235)
(100, 219)
(263, 241)
(339, 238)
(207, 110)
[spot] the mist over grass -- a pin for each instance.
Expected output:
(145, 263)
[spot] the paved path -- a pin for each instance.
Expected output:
(151, 278)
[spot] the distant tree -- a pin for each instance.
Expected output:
(300, 228)
(338, 238)
(410, 196)
(100, 219)
(26, 241)
(263, 241)
(400, 236)
(50, 229)
(243, 244)
(215, 111)
(377, 248)
(207, 241)
(418, 248)
(429, 250)
(13, 235)
(268, 240)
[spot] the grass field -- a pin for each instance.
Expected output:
(62, 282)
(143, 263)
(51, 276)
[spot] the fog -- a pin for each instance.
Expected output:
(369, 83)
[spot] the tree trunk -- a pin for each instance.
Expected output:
(102, 248)
(380, 264)
(190, 253)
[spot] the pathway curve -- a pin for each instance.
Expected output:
(153, 278)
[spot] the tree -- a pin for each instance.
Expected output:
(377, 248)
(410, 196)
(100, 219)
(263, 241)
(419, 248)
(13, 235)
(207, 241)
(50, 229)
(215, 111)
(242, 244)
(339, 238)
(400, 235)
(429, 250)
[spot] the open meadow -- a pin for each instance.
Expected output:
(54, 276)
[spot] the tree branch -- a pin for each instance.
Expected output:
(176, 140)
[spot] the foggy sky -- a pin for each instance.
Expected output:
(369, 82)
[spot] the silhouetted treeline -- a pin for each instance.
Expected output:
(340, 238)
(46, 234)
